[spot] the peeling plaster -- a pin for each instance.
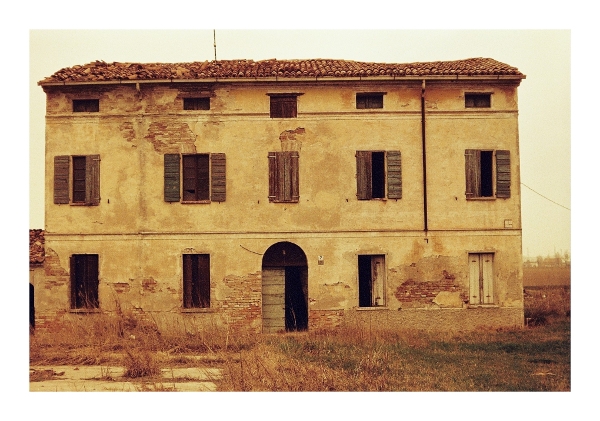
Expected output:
(288, 139)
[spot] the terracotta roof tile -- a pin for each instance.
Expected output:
(224, 69)
(36, 246)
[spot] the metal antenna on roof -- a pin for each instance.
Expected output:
(215, 43)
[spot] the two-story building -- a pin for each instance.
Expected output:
(284, 194)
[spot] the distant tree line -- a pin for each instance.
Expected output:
(558, 260)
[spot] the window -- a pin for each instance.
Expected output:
(196, 103)
(376, 172)
(84, 281)
(369, 100)
(283, 177)
(481, 167)
(77, 180)
(478, 100)
(371, 278)
(481, 278)
(86, 105)
(284, 106)
(203, 178)
(196, 280)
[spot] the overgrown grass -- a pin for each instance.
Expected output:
(536, 358)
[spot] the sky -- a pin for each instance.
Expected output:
(544, 96)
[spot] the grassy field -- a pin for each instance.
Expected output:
(536, 358)
(541, 277)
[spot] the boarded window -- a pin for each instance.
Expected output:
(478, 100)
(196, 103)
(86, 105)
(204, 178)
(196, 280)
(371, 279)
(369, 100)
(284, 106)
(84, 281)
(481, 167)
(481, 278)
(77, 179)
(283, 177)
(378, 175)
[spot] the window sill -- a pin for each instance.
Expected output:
(483, 306)
(194, 202)
(198, 310)
(378, 308)
(84, 310)
(481, 198)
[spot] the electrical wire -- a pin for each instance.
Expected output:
(545, 197)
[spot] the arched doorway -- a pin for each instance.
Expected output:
(284, 288)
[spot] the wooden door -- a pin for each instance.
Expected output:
(273, 299)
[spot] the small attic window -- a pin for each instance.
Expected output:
(196, 103)
(369, 100)
(86, 105)
(478, 100)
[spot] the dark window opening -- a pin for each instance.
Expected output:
(284, 106)
(86, 105)
(196, 177)
(371, 274)
(487, 174)
(296, 310)
(369, 101)
(196, 280)
(478, 100)
(196, 103)
(84, 281)
(79, 185)
(378, 175)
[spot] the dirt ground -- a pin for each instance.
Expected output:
(110, 379)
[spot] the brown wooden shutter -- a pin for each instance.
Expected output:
(503, 174)
(171, 177)
(394, 175)
(363, 175)
(91, 281)
(472, 173)
(218, 177)
(273, 177)
(92, 180)
(291, 177)
(61, 179)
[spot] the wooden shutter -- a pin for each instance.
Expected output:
(273, 177)
(363, 175)
(273, 299)
(487, 270)
(291, 181)
(218, 176)
(171, 177)
(474, 282)
(503, 174)
(91, 281)
(394, 175)
(92, 180)
(472, 173)
(61, 179)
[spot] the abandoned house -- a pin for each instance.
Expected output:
(266, 196)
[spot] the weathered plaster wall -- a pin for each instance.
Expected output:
(140, 238)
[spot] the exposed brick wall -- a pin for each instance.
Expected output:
(325, 319)
(242, 304)
(413, 293)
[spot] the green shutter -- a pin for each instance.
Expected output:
(394, 175)
(363, 175)
(502, 174)
(218, 177)
(61, 179)
(472, 173)
(92, 180)
(171, 188)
